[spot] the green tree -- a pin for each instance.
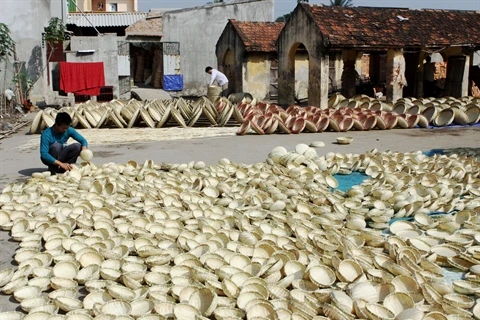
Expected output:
(341, 3)
(7, 45)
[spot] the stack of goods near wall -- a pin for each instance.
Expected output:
(153, 114)
(271, 240)
(359, 113)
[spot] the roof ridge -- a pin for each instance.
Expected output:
(259, 36)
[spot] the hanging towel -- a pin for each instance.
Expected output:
(82, 78)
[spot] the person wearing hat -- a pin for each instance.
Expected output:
(219, 78)
(54, 151)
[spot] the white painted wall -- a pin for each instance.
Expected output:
(26, 20)
(106, 51)
(198, 30)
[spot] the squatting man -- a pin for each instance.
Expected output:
(54, 151)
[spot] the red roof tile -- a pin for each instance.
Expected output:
(370, 26)
(258, 36)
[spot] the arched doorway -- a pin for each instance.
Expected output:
(299, 65)
(311, 63)
(229, 71)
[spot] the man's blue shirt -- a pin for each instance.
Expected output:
(49, 136)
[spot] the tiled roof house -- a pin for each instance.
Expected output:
(394, 27)
(258, 36)
(246, 53)
(398, 33)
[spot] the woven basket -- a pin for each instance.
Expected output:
(213, 92)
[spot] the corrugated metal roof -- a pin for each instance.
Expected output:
(105, 19)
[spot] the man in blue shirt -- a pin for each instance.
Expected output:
(54, 151)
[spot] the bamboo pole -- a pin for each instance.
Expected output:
(18, 83)
(3, 105)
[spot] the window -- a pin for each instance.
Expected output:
(113, 7)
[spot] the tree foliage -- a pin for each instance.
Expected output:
(7, 45)
(341, 3)
(55, 32)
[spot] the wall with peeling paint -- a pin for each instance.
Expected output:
(198, 30)
(256, 79)
(301, 75)
(26, 20)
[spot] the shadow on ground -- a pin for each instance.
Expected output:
(29, 171)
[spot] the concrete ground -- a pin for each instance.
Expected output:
(17, 165)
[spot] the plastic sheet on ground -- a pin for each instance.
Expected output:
(451, 274)
(431, 153)
(346, 182)
(455, 126)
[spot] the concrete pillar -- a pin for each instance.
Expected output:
(359, 62)
(420, 74)
(466, 76)
(395, 74)
(318, 82)
(286, 77)
(349, 74)
(338, 68)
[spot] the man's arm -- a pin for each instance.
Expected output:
(44, 150)
(47, 157)
(78, 137)
(214, 75)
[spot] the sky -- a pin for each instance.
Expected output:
(285, 6)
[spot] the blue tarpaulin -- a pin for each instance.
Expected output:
(431, 153)
(454, 126)
(173, 82)
(346, 182)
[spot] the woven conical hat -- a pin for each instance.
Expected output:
(444, 118)
(48, 119)
(35, 127)
(90, 117)
(134, 118)
(473, 114)
(146, 118)
(83, 121)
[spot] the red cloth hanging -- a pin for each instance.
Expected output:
(82, 78)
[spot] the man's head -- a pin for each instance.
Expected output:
(428, 59)
(62, 122)
(208, 70)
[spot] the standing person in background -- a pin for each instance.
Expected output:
(54, 151)
(428, 77)
(219, 78)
